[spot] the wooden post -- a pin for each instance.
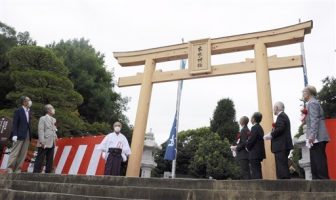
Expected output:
(265, 105)
(133, 169)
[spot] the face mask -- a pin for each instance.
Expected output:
(117, 129)
(30, 103)
(52, 111)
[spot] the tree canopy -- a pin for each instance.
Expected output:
(70, 74)
(39, 74)
(205, 152)
(327, 96)
(91, 80)
(223, 121)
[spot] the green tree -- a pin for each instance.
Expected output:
(187, 145)
(196, 149)
(91, 79)
(23, 38)
(213, 159)
(162, 164)
(223, 121)
(7, 41)
(39, 74)
(327, 97)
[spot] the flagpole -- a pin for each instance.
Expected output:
(178, 103)
(303, 56)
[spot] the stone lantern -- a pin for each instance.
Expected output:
(305, 161)
(147, 162)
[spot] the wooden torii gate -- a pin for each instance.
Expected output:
(199, 66)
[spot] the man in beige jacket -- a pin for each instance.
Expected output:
(46, 140)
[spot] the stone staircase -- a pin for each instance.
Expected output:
(26, 186)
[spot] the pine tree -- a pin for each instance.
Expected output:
(224, 120)
(39, 74)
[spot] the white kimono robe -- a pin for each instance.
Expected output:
(113, 140)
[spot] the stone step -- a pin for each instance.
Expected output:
(255, 185)
(157, 193)
(9, 194)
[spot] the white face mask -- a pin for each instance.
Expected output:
(52, 111)
(117, 129)
(30, 103)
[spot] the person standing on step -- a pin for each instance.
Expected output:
(21, 135)
(317, 134)
(115, 149)
(242, 154)
(281, 141)
(46, 140)
(255, 146)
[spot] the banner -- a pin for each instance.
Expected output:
(171, 145)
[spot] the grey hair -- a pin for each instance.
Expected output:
(280, 106)
(47, 107)
(311, 90)
(22, 99)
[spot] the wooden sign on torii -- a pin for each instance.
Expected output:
(199, 66)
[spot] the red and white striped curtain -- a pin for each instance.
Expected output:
(72, 156)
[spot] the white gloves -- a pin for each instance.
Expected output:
(14, 138)
(124, 157)
(104, 155)
(234, 150)
(268, 137)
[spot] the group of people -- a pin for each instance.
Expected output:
(249, 148)
(21, 137)
(114, 147)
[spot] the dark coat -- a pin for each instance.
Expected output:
(241, 146)
(255, 143)
(281, 134)
(20, 125)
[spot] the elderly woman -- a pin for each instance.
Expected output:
(240, 148)
(316, 134)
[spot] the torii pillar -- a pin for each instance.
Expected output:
(199, 66)
(265, 104)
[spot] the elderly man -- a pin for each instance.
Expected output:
(281, 141)
(21, 135)
(115, 148)
(317, 134)
(46, 140)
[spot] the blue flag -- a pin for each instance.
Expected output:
(171, 144)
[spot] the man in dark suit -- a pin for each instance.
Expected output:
(242, 154)
(20, 135)
(255, 146)
(281, 141)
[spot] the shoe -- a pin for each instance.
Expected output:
(9, 170)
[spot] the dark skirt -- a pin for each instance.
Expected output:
(113, 162)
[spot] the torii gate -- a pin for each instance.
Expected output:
(199, 66)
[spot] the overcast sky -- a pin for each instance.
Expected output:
(126, 25)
